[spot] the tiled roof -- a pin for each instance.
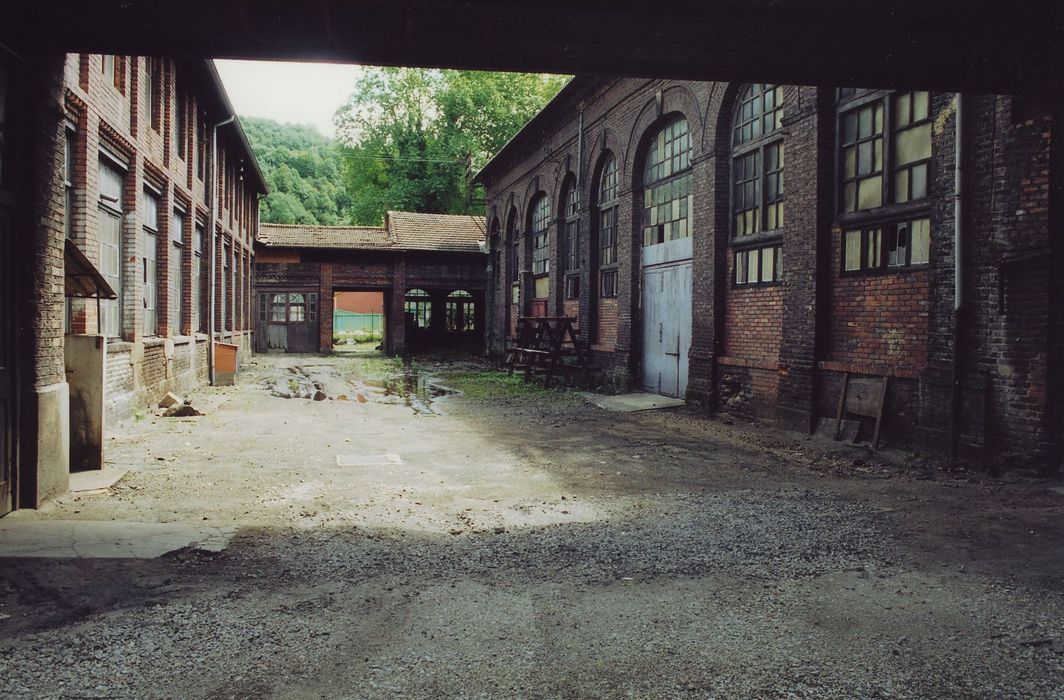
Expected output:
(301, 236)
(459, 233)
(405, 231)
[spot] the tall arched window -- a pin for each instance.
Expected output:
(418, 304)
(539, 225)
(570, 237)
(667, 199)
(757, 183)
(884, 143)
(607, 227)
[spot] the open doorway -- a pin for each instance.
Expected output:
(358, 321)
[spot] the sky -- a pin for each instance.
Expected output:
(301, 93)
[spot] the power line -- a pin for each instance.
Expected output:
(356, 156)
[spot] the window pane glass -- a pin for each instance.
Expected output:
(919, 181)
(849, 159)
(920, 105)
(849, 129)
(913, 144)
(902, 105)
(853, 250)
(874, 248)
(864, 158)
(870, 193)
(768, 264)
(864, 117)
(849, 196)
(901, 186)
(921, 241)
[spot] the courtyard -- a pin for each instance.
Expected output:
(442, 530)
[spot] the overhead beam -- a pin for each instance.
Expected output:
(937, 44)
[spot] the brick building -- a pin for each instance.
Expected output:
(141, 180)
(429, 270)
(747, 246)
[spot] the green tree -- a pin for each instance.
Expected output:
(412, 137)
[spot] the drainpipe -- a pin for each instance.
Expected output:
(958, 274)
(213, 215)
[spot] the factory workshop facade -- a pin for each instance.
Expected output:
(128, 207)
(429, 270)
(757, 248)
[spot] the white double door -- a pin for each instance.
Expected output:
(666, 327)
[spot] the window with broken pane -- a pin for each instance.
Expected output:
(296, 308)
(278, 307)
(900, 244)
(667, 197)
(885, 150)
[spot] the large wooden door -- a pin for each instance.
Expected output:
(666, 328)
(292, 324)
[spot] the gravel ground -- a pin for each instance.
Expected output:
(531, 545)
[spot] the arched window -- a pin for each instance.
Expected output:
(570, 237)
(538, 226)
(607, 227)
(461, 314)
(667, 199)
(884, 143)
(757, 183)
(511, 235)
(418, 305)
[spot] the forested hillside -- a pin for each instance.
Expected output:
(408, 139)
(304, 171)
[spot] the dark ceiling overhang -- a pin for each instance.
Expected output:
(936, 44)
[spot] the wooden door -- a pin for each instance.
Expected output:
(293, 322)
(666, 328)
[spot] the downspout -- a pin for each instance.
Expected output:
(213, 215)
(958, 274)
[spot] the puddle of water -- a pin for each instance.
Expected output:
(411, 390)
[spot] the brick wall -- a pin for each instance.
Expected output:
(753, 321)
(879, 322)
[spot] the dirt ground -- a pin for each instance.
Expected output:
(512, 542)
